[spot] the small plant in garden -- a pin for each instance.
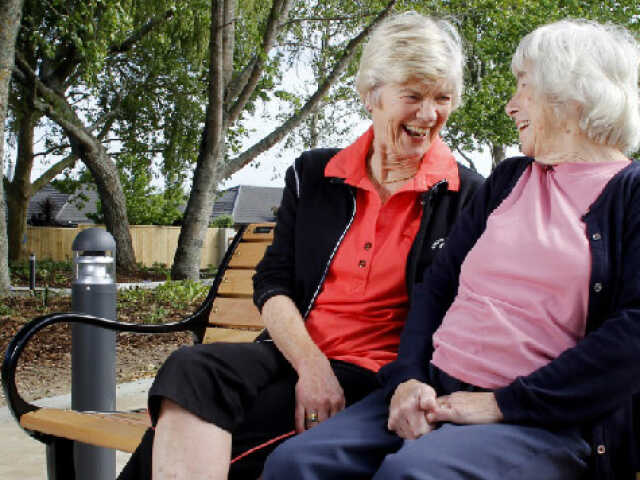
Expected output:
(48, 272)
(208, 272)
(181, 293)
(5, 310)
(153, 306)
(158, 269)
(222, 221)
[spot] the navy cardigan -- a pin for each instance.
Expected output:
(593, 384)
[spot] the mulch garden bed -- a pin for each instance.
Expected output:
(45, 365)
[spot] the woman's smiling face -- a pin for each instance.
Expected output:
(408, 117)
(540, 131)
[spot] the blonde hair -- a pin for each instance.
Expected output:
(592, 65)
(410, 46)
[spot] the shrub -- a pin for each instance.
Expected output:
(222, 221)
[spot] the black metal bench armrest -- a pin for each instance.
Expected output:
(17, 405)
(196, 323)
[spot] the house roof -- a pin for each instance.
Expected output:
(244, 203)
(76, 208)
(248, 204)
(47, 193)
(66, 208)
(224, 202)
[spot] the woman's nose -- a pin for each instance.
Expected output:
(427, 110)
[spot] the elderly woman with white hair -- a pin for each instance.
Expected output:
(520, 358)
(355, 229)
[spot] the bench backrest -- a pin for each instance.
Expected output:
(233, 307)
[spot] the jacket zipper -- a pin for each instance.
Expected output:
(426, 200)
(335, 249)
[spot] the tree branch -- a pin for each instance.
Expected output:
(52, 150)
(239, 80)
(54, 107)
(467, 158)
(53, 171)
(342, 18)
(279, 11)
(278, 134)
(228, 39)
(142, 31)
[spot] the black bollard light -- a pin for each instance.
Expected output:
(93, 349)
(32, 272)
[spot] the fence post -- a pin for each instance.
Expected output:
(93, 349)
(225, 236)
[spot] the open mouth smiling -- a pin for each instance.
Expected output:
(522, 125)
(414, 131)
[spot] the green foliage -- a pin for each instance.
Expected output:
(156, 269)
(319, 42)
(146, 204)
(181, 292)
(491, 31)
(170, 295)
(148, 96)
(222, 221)
(5, 310)
(48, 272)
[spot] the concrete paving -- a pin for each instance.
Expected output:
(23, 458)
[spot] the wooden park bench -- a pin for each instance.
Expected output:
(227, 315)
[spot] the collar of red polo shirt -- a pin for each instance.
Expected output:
(438, 163)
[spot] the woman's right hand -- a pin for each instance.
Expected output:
(318, 393)
(408, 409)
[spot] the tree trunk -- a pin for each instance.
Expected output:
(114, 206)
(19, 191)
(497, 154)
(10, 13)
(186, 263)
(211, 166)
(89, 149)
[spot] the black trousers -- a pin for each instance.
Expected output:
(247, 389)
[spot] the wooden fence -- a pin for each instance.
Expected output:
(151, 243)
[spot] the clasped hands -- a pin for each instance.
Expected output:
(415, 409)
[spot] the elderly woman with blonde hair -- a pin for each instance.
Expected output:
(520, 358)
(355, 229)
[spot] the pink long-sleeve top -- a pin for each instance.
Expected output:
(524, 286)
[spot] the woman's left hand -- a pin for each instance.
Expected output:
(466, 408)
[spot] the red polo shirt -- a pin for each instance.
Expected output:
(360, 312)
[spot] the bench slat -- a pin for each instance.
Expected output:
(259, 232)
(248, 254)
(213, 334)
(235, 312)
(237, 283)
(122, 431)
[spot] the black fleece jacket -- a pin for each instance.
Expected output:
(316, 213)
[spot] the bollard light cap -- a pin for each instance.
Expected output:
(94, 239)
